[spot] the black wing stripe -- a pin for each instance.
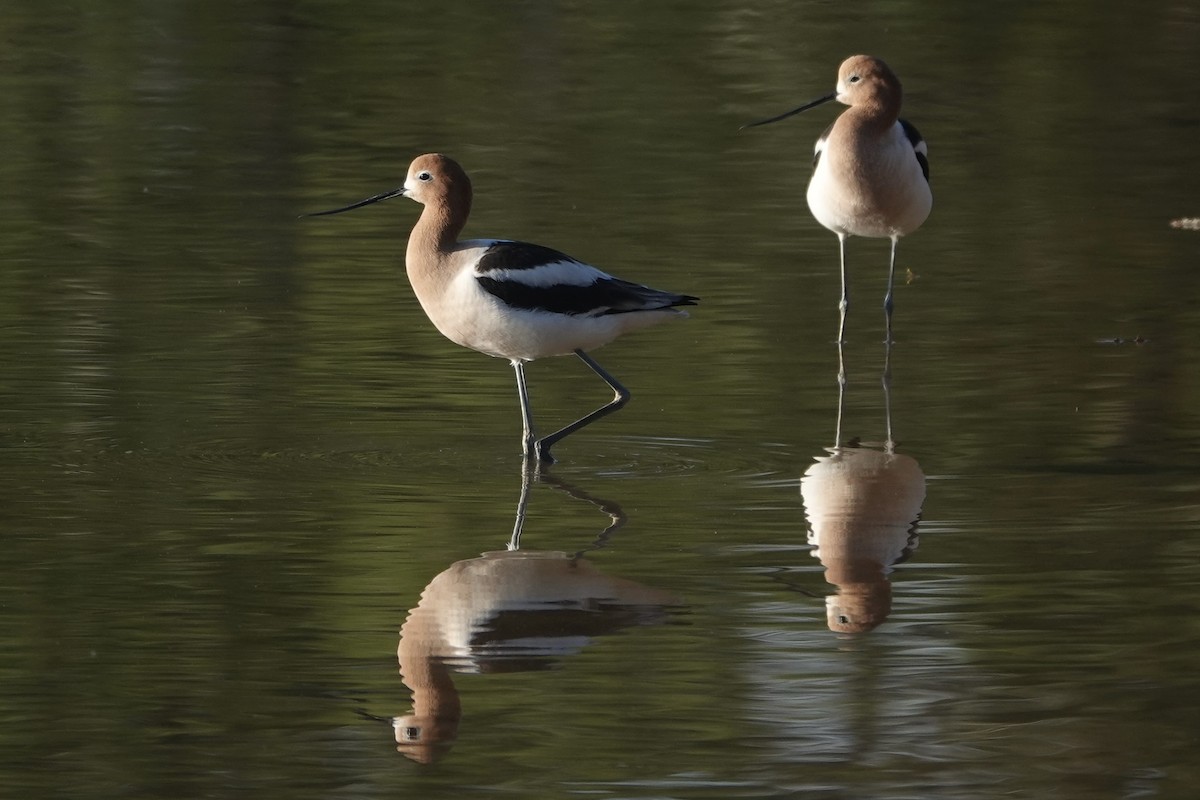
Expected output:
(604, 296)
(915, 139)
(518, 255)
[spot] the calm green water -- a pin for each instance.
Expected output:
(236, 460)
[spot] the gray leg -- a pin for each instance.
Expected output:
(528, 437)
(887, 298)
(844, 305)
(620, 398)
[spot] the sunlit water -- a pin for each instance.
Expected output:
(236, 462)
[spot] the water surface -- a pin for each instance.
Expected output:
(234, 454)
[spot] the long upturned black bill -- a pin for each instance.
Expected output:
(382, 196)
(787, 114)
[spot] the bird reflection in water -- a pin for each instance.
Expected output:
(511, 610)
(863, 505)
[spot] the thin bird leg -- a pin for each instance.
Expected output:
(620, 398)
(844, 305)
(887, 298)
(528, 437)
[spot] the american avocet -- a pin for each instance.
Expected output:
(871, 171)
(512, 299)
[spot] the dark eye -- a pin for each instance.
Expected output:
(424, 176)
(855, 78)
(411, 732)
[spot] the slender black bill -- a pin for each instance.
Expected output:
(382, 196)
(787, 114)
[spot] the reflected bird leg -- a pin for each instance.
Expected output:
(887, 298)
(531, 474)
(616, 514)
(844, 305)
(886, 380)
(528, 475)
(841, 380)
(620, 398)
